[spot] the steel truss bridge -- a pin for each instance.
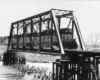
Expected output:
(54, 32)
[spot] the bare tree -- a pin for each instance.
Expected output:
(94, 39)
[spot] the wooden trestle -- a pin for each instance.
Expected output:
(80, 66)
(12, 58)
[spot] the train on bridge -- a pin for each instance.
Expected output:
(54, 32)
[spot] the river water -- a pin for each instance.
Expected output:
(10, 73)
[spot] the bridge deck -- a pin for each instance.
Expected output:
(84, 53)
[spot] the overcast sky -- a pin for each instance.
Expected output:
(87, 13)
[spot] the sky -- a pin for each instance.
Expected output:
(87, 13)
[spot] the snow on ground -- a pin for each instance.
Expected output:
(47, 66)
(1, 63)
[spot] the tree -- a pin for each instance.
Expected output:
(94, 39)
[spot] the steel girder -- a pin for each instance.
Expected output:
(28, 34)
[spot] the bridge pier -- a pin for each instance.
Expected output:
(12, 58)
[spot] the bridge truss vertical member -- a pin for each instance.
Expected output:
(23, 35)
(31, 35)
(40, 33)
(17, 37)
(51, 34)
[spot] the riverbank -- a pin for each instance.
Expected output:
(11, 73)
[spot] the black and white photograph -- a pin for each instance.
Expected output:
(49, 40)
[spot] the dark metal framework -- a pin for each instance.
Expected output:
(78, 65)
(43, 32)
